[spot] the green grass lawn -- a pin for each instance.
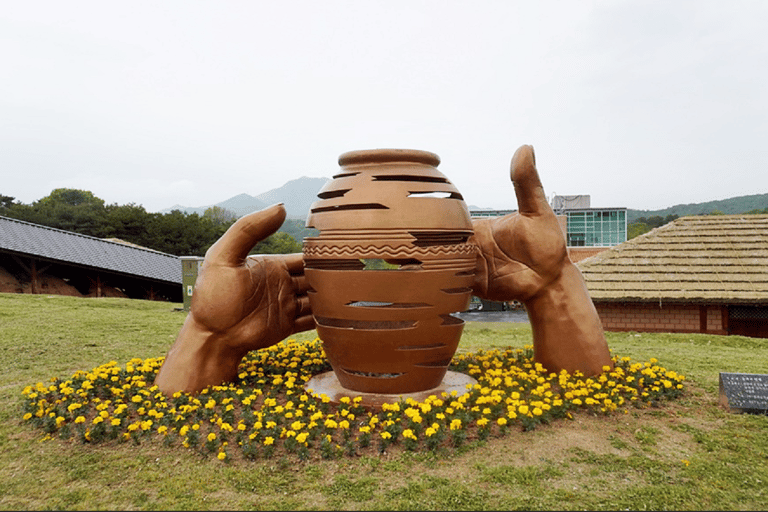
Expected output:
(689, 454)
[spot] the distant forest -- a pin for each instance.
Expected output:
(176, 232)
(191, 234)
(642, 221)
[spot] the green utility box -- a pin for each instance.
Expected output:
(190, 267)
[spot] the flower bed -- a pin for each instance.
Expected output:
(269, 410)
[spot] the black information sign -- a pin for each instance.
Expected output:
(744, 392)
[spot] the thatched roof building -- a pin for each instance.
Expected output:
(695, 274)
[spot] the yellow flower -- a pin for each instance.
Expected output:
(80, 419)
(221, 456)
(269, 440)
(211, 437)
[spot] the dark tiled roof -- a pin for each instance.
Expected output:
(712, 258)
(64, 246)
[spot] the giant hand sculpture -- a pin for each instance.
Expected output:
(240, 304)
(523, 257)
(245, 303)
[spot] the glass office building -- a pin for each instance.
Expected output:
(596, 227)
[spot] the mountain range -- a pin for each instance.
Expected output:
(299, 194)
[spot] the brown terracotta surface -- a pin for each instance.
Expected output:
(389, 331)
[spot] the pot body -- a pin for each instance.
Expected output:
(389, 330)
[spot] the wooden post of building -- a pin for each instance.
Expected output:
(33, 276)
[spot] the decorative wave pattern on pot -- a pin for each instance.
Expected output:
(389, 330)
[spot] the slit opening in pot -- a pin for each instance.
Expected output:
(456, 290)
(433, 364)
(451, 320)
(350, 207)
(421, 347)
(340, 264)
(333, 193)
(345, 175)
(410, 177)
(429, 238)
(388, 305)
(391, 264)
(437, 195)
(368, 325)
(372, 375)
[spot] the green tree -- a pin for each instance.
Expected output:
(637, 229)
(6, 202)
(128, 222)
(220, 216)
(72, 210)
(278, 243)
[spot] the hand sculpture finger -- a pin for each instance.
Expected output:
(531, 199)
(234, 245)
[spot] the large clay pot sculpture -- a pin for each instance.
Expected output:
(389, 330)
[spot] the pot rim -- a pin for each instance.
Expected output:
(385, 155)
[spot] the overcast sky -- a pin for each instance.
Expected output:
(642, 104)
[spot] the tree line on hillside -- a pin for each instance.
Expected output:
(642, 225)
(176, 233)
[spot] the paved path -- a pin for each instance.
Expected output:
(494, 316)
